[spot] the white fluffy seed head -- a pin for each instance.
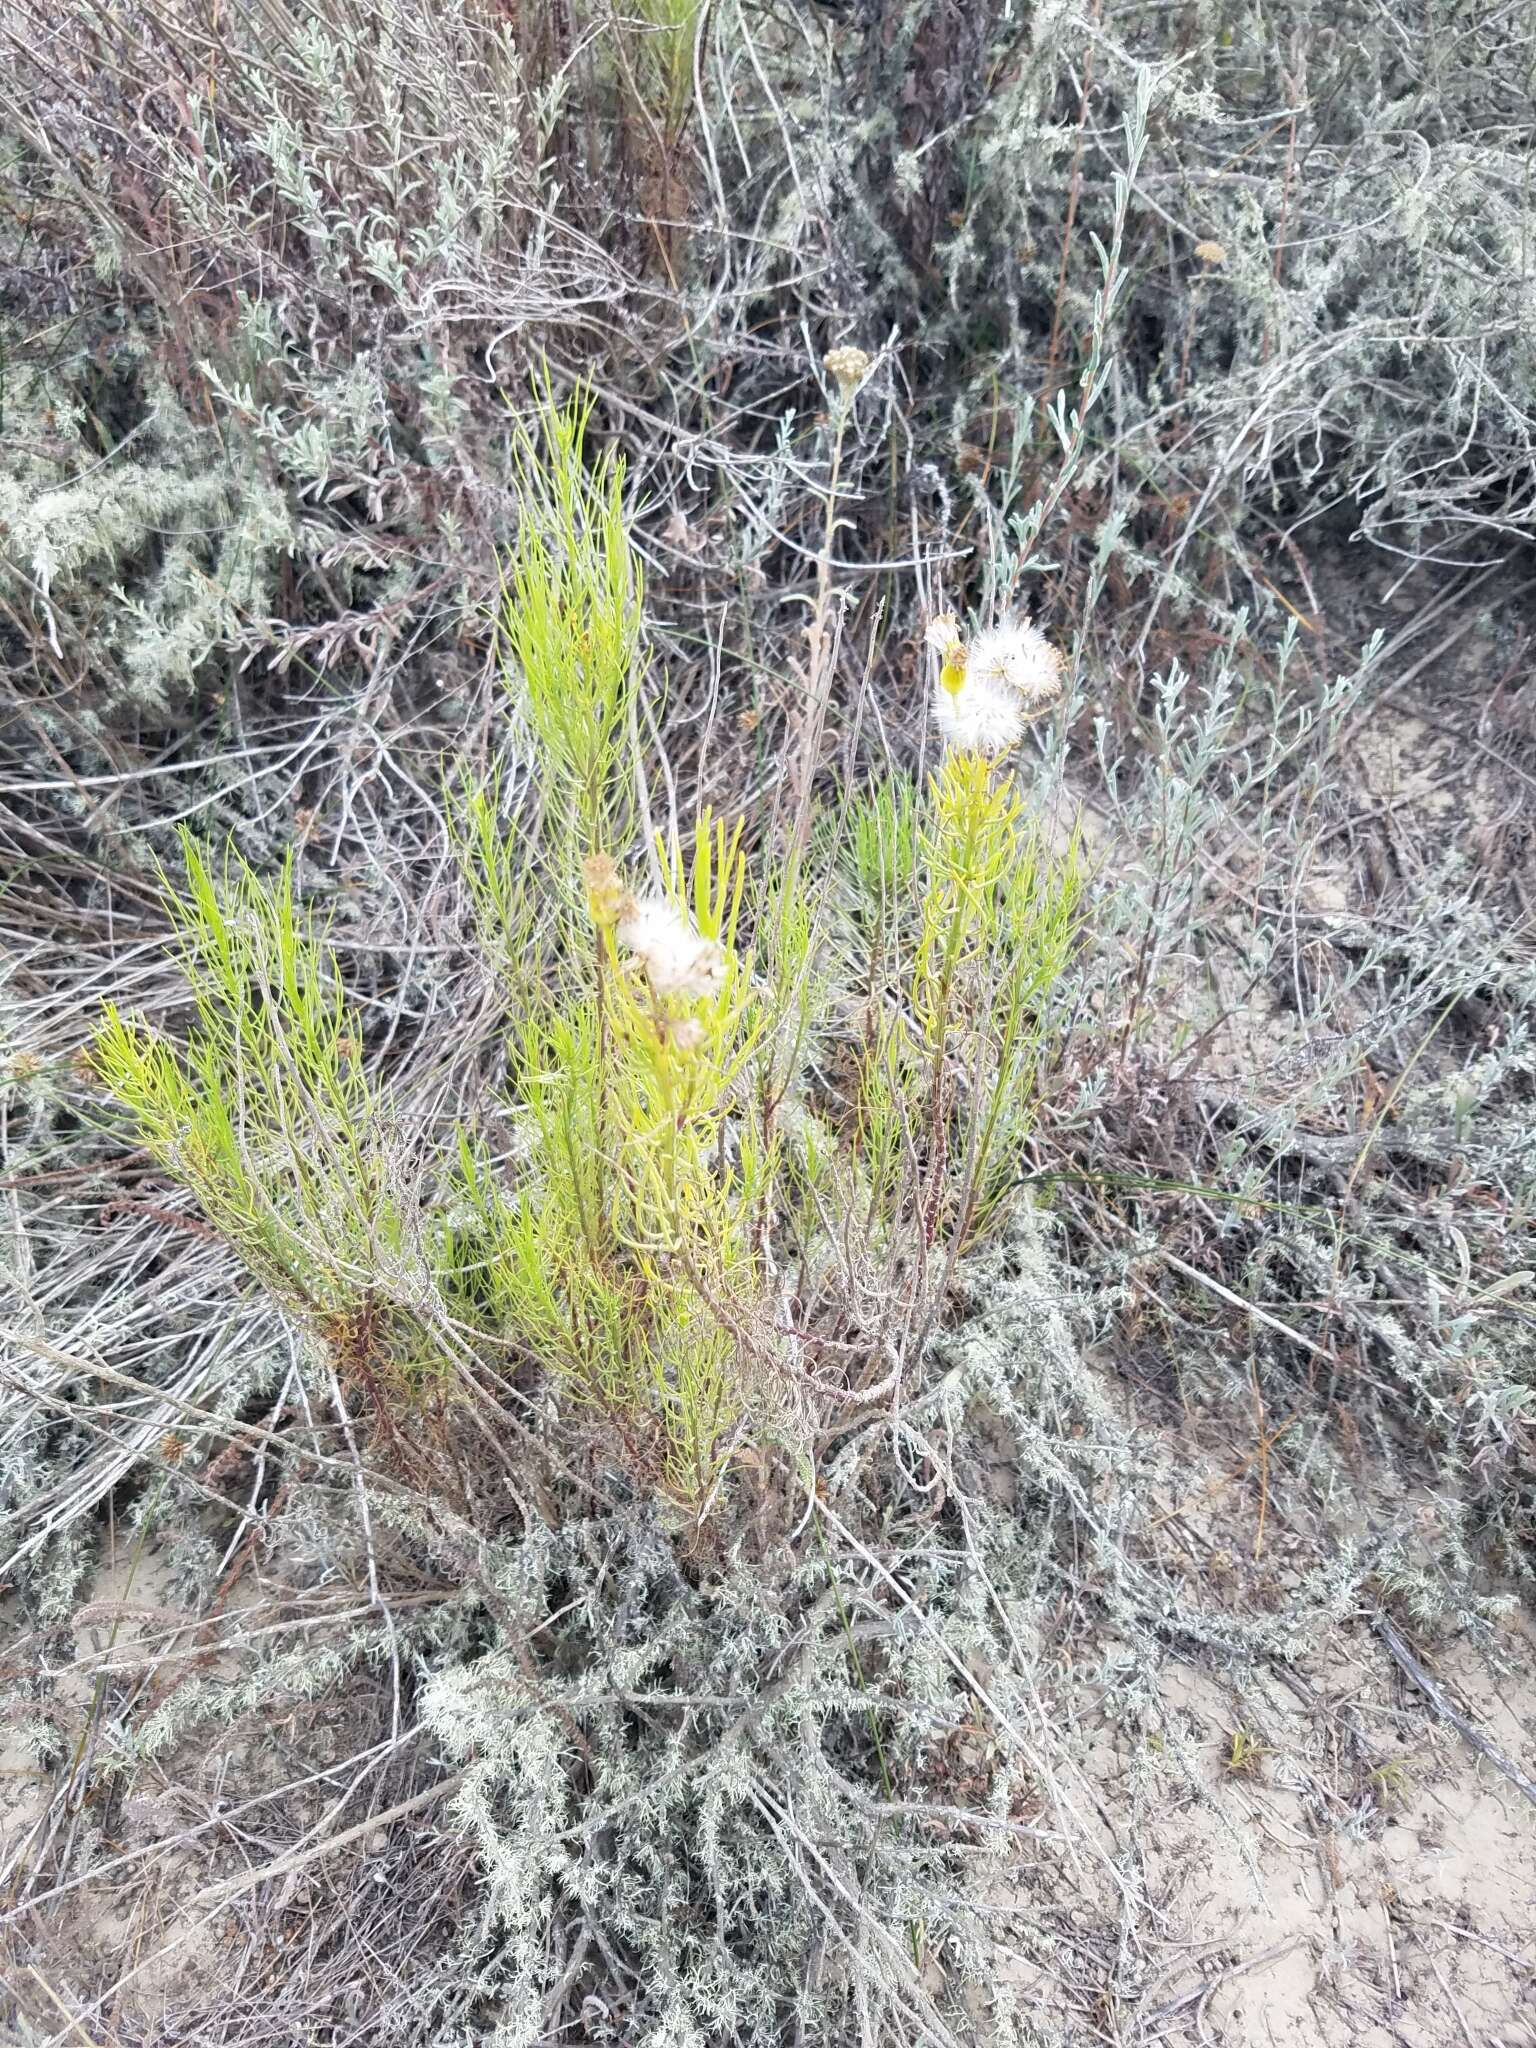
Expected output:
(1017, 656)
(685, 1034)
(677, 961)
(981, 717)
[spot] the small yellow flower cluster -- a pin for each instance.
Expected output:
(990, 688)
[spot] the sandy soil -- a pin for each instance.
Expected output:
(1327, 1903)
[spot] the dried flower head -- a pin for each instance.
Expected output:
(677, 961)
(849, 366)
(991, 687)
(1018, 656)
(605, 891)
(1210, 254)
(981, 717)
(685, 1034)
(943, 635)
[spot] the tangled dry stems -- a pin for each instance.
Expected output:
(258, 386)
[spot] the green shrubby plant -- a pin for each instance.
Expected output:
(272, 1122)
(571, 619)
(676, 1146)
(626, 1262)
(662, 34)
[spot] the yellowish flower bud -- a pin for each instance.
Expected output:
(943, 636)
(1211, 254)
(605, 891)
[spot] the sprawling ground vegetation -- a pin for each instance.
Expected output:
(766, 872)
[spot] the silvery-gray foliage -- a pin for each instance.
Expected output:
(271, 282)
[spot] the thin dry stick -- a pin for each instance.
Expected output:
(1074, 193)
(1434, 1963)
(1386, 1628)
(1227, 1479)
(222, 1895)
(1203, 1990)
(1293, 91)
(1471, 1934)
(218, 1425)
(1248, 1307)
(76, 2031)
(822, 635)
(1261, 1454)
(294, 1861)
(179, 1841)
